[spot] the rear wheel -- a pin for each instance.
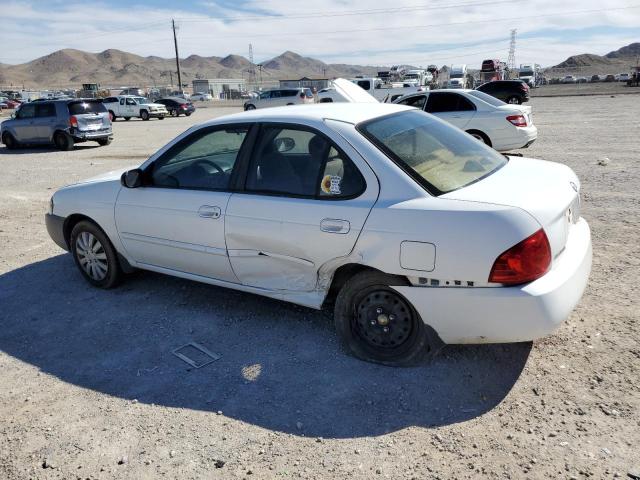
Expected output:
(175, 113)
(188, 114)
(9, 141)
(94, 255)
(144, 115)
(481, 136)
(63, 141)
(250, 107)
(377, 324)
(514, 99)
(103, 142)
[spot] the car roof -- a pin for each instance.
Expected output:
(345, 112)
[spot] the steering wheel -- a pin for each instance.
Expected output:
(210, 163)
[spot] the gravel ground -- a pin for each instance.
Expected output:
(90, 388)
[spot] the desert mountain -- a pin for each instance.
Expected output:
(614, 61)
(70, 68)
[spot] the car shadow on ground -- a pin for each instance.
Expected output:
(44, 149)
(281, 365)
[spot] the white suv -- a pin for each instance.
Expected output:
(279, 97)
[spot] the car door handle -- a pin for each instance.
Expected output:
(207, 211)
(334, 225)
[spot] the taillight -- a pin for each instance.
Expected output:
(183, 106)
(517, 120)
(528, 260)
(73, 121)
(524, 86)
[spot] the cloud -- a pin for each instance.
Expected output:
(372, 32)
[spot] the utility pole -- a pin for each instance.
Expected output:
(175, 42)
(511, 62)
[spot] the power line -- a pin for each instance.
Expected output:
(370, 11)
(422, 26)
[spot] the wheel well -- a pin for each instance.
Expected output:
(70, 222)
(486, 138)
(345, 272)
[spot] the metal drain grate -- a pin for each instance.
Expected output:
(195, 355)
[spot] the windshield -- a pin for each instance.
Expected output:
(526, 73)
(438, 156)
(487, 98)
(455, 75)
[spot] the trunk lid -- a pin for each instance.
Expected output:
(547, 191)
(513, 109)
(352, 92)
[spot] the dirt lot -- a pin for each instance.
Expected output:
(90, 388)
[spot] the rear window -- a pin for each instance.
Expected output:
(86, 106)
(438, 156)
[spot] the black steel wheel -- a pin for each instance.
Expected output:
(377, 324)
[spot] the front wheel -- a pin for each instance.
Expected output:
(514, 100)
(250, 107)
(94, 255)
(103, 142)
(144, 115)
(377, 324)
(188, 114)
(10, 142)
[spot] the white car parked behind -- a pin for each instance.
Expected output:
(500, 125)
(424, 234)
(201, 97)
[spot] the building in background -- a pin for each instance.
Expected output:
(305, 82)
(221, 88)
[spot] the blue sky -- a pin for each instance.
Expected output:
(373, 32)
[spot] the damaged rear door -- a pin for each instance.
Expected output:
(304, 203)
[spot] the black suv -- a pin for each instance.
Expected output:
(177, 106)
(509, 91)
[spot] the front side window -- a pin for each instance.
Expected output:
(417, 101)
(301, 163)
(437, 155)
(28, 110)
(130, 101)
(205, 160)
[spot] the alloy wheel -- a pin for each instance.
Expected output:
(92, 256)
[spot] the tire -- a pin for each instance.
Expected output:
(144, 115)
(250, 107)
(63, 141)
(94, 255)
(514, 99)
(112, 116)
(481, 136)
(175, 113)
(188, 114)
(366, 306)
(9, 141)
(103, 142)
(127, 118)
(326, 100)
(161, 117)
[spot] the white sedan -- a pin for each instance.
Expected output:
(201, 97)
(500, 125)
(420, 233)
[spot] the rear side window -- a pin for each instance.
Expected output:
(79, 108)
(301, 163)
(289, 93)
(45, 110)
(448, 102)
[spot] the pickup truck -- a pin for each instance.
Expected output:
(127, 106)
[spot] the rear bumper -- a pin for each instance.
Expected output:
(90, 134)
(55, 228)
(517, 137)
(509, 314)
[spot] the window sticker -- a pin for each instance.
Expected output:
(331, 184)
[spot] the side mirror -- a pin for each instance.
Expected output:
(284, 144)
(131, 178)
(13, 115)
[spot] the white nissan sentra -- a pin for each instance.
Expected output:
(421, 234)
